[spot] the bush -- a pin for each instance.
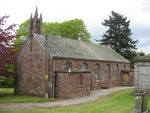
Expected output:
(10, 83)
(6, 82)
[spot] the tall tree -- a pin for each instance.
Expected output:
(23, 29)
(7, 55)
(69, 29)
(51, 28)
(118, 35)
(74, 29)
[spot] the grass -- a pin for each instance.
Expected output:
(117, 102)
(6, 96)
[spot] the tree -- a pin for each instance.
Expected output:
(51, 28)
(69, 29)
(140, 53)
(74, 29)
(118, 35)
(7, 55)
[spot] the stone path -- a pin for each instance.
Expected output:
(65, 102)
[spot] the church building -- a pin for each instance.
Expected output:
(65, 68)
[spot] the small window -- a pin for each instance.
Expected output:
(68, 65)
(107, 72)
(97, 71)
(116, 71)
(84, 66)
(124, 68)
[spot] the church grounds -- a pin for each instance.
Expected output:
(116, 102)
(6, 96)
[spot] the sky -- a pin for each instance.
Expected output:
(92, 12)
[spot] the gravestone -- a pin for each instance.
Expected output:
(141, 103)
(142, 75)
(141, 83)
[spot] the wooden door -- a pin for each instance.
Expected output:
(125, 79)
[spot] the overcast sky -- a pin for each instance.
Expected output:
(92, 12)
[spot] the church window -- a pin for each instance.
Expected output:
(107, 72)
(84, 66)
(68, 65)
(97, 71)
(116, 71)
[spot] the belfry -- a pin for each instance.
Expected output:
(35, 23)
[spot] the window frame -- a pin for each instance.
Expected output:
(84, 65)
(124, 67)
(68, 65)
(116, 71)
(97, 72)
(107, 75)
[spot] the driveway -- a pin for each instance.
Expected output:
(95, 94)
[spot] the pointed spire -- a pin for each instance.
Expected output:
(36, 13)
(40, 16)
(31, 16)
(35, 23)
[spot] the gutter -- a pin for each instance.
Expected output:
(60, 57)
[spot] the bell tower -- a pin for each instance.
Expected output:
(35, 23)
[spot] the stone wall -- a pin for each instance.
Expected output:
(142, 75)
(31, 70)
(95, 84)
(72, 85)
(30, 78)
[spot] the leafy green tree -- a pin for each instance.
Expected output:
(69, 29)
(51, 29)
(18, 43)
(118, 35)
(140, 53)
(23, 29)
(74, 29)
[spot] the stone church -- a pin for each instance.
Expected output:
(65, 68)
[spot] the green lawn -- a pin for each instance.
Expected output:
(117, 102)
(6, 95)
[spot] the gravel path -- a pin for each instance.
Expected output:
(65, 102)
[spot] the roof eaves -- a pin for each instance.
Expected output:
(58, 57)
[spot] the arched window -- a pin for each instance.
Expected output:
(84, 66)
(116, 71)
(97, 71)
(124, 68)
(68, 65)
(107, 72)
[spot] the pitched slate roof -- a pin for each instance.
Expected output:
(69, 48)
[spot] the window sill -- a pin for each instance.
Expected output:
(97, 80)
